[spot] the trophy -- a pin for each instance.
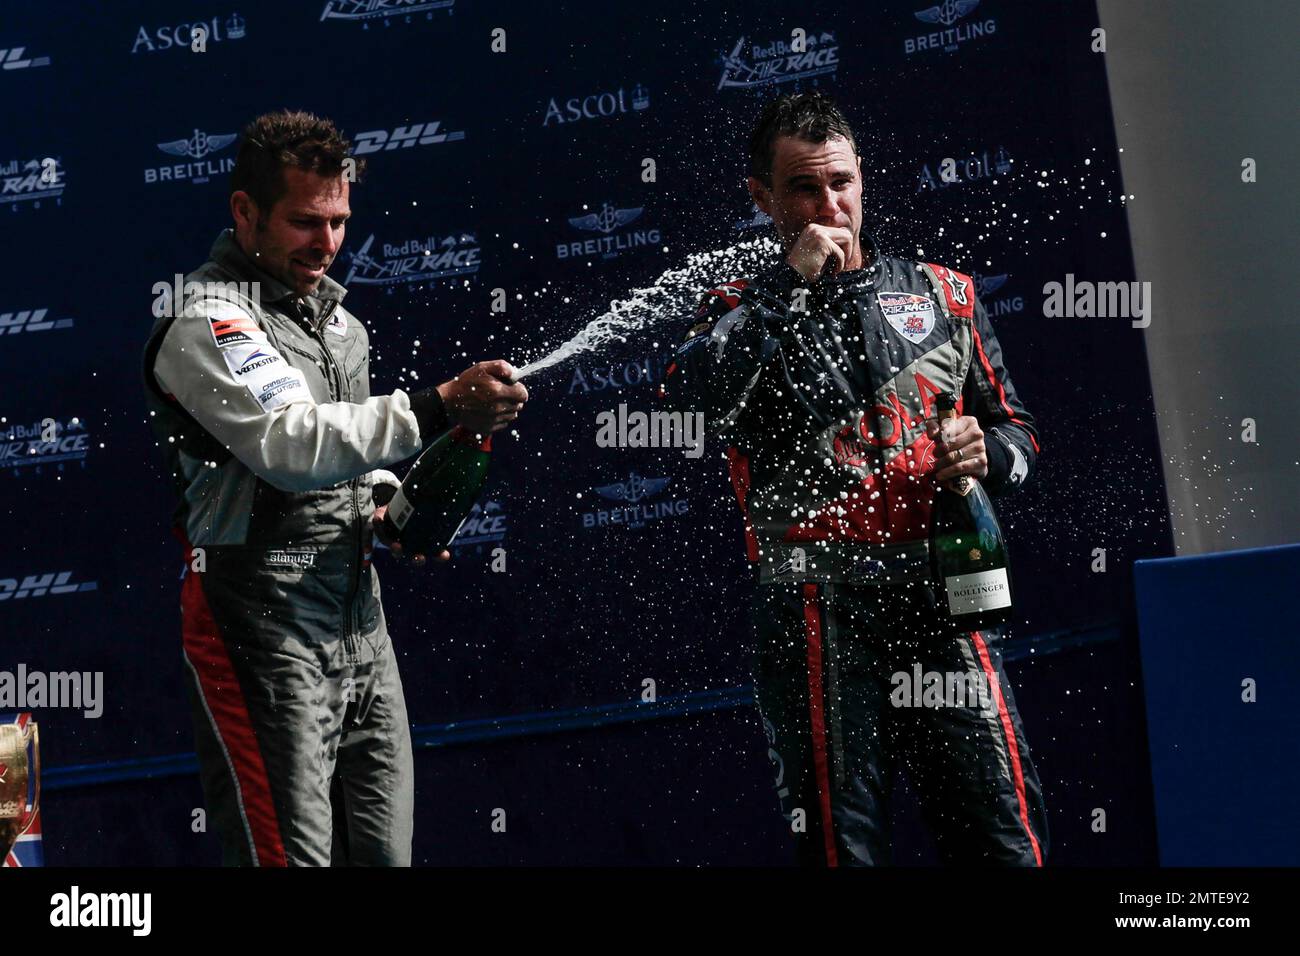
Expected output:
(15, 771)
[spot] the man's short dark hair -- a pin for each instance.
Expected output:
(286, 138)
(810, 116)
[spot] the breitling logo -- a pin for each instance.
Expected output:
(196, 147)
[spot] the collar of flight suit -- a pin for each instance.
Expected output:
(868, 275)
(226, 251)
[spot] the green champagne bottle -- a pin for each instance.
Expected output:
(967, 550)
(439, 492)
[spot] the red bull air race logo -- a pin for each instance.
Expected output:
(47, 442)
(485, 524)
(415, 261)
(365, 11)
(911, 315)
(32, 180)
(804, 56)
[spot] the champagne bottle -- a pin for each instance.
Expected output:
(967, 549)
(439, 492)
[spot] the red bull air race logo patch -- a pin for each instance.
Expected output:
(911, 315)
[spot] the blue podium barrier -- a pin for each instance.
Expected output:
(1220, 661)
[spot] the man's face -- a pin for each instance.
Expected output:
(812, 182)
(297, 240)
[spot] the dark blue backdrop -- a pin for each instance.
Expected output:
(553, 128)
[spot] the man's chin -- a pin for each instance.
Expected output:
(305, 285)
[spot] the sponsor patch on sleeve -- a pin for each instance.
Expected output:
(233, 326)
(958, 290)
(728, 293)
(267, 376)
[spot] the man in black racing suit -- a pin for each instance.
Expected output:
(823, 371)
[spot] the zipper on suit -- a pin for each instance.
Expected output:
(350, 624)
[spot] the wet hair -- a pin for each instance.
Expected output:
(275, 141)
(813, 117)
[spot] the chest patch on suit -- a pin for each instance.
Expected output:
(911, 315)
(338, 324)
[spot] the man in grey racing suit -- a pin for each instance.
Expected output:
(258, 387)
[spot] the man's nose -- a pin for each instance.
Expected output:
(827, 205)
(327, 240)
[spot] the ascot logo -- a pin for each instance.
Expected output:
(404, 137)
(13, 59)
(612, 242)
(761, 64)
(181, 36)
(364, 10)
(986, 286)
(28, 445)
(196, 147)
(646, 370)
(596, 106)
(33, 180)
(416, 261)
(30, 320)
(953, 172)
(946, 15)
(634, 514)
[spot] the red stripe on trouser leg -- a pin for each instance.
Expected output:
(219, 687)
(813, 626)
(1013, 748)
